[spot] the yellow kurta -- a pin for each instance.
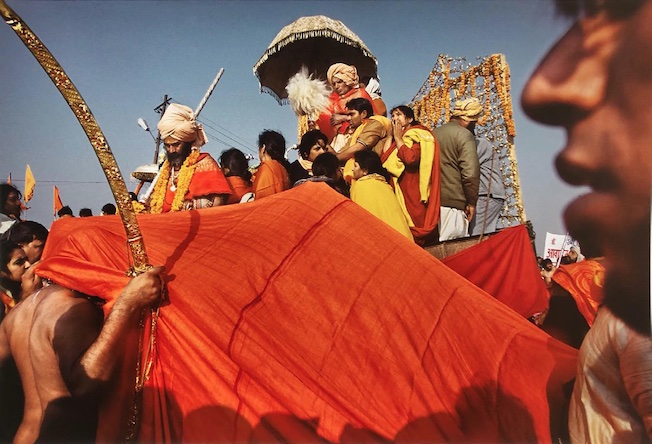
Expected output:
(373, 193)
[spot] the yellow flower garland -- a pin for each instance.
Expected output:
(183, 182)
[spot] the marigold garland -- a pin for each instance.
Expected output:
(183, 183)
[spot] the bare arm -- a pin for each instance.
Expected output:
(5, 354)
(88, 352)
(211, 200)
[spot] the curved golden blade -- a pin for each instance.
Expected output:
(92, 130)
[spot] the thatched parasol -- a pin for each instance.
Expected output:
(315, 42)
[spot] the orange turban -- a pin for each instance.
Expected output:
(347, 73)
(179, 122)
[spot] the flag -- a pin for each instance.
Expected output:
(30, 183)
(9, 179)
(56, 201)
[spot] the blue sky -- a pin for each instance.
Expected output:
(123, 56)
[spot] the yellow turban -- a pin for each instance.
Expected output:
(347, 73)
(179, 122)
(468, 109)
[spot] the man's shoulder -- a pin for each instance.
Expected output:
(206, 163)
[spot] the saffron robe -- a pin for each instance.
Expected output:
(374, 194)
(207, 179)
(270, 178)
(337, 105)
(287, 346)
(415, 166)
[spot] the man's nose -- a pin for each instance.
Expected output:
(571, 80)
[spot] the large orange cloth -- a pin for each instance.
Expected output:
(280, 327)
(270, 178)
(505, 267)
(584, 281)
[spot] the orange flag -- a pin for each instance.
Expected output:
(30, 183)
(56, 201)
(9, 179)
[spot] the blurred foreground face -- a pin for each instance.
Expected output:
(596, 83)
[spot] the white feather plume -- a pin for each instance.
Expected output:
(307, 96)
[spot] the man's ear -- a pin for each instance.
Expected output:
(364, 116)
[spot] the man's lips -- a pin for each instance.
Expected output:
(587, 219)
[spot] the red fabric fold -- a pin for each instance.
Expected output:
(504, 266)
(302, 317)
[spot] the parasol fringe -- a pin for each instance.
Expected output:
(328, 33)
(266, 90)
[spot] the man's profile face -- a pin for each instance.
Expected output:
(340, 87)
(317, 149)
(33, 250)
(12, 205)
(596, 83)
(356, 117)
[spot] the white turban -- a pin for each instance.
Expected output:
(468, 109)
(179, 122)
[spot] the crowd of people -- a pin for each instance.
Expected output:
(420, 168)
(595, 83)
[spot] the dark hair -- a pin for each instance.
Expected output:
(361, 104)
(26, 231)
(65, 211)
(85, 212)
(5, 190)
(7, 247)
(108, 209)
(326, 164)
(308, 140)
(274, 144)
(236, 162)
(370, 162)
(407, 112)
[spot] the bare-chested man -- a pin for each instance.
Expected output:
(66, 355)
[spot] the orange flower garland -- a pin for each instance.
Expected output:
(183, 183)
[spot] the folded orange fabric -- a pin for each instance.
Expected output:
(302, 317)
(584, 281)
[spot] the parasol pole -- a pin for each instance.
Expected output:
(208, 92)
(92, 130)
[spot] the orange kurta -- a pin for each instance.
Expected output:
(289, 346)
(239, 187)
(271, 178)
